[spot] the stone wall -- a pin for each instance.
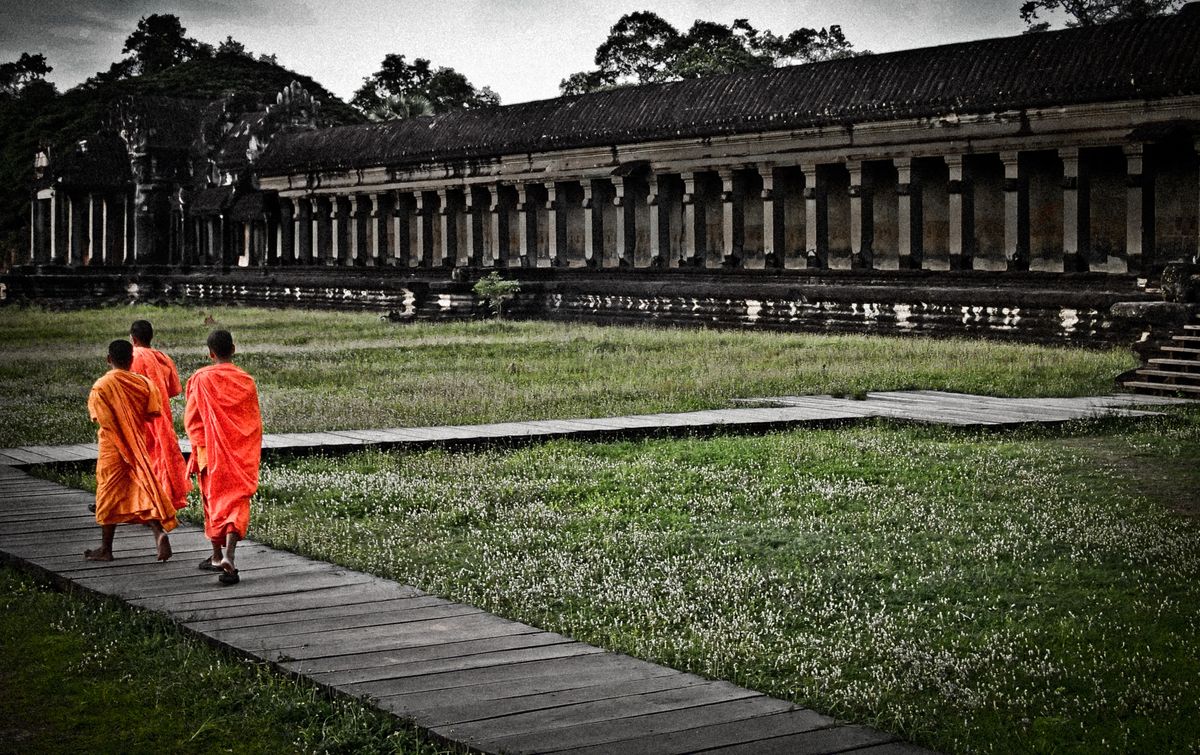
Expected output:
(1062, 309)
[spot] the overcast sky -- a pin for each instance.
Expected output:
(520, 49)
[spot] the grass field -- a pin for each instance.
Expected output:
(976, 592)
(80, 674)
(326, 371)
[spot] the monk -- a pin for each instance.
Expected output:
(224, 424)
(165, 456)
(127, 492)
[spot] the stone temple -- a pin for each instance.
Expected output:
(1014, 186)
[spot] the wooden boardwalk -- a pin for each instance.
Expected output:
(755, 415)
(464, 675)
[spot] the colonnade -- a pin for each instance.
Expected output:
(1069, 209)
(1114, 208)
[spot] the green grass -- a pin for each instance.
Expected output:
(973, 592)
(81, 674)
(324, 371)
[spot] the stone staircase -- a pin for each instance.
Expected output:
(1173, 368)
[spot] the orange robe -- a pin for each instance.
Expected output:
(127, 490)
(165, 456)
(224, 424)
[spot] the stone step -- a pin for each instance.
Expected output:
(1181, 350)
(1187, 376)
(1163, 387)
(1186, 339)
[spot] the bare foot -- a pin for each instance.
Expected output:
(227, 566)
(99, 554)
(164, 546)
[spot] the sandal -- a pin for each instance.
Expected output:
(208, 565)
(228, 578)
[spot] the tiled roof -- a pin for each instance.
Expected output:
(1147, 59)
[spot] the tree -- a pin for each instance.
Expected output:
(23, 75)
(495, 291)
(233, 47)
(1093, 12)
(158, 43)
(399, 107)
(444, 89)
(643, 48)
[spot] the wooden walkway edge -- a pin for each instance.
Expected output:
(754, 415)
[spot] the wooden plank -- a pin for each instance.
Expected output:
(66, 453)
(461, 711)
(429, 652)
(575, 669)
(372, 436)
(836, 739)
(539, 730)
(26, 457)
(299, 629)
(317, 612)
(412, 634)
(355, 678)
(596, 673)
(712, 735)
(363, 592)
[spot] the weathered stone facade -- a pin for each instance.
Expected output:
(1047, 162)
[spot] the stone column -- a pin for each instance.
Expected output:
(320, 251)
(95, 229)
(732, 218)
(659, 223)
(694, 233)
(497, 231)
(526, 227)
(593, 225)
(287, 231)
(302, 232)
(961, 212)
(355, 220)
(861, 218)
(474, 235)
(55, 233)
(1076, 213)
(813, 223)
(556, 220)
(447, 251)
(423, 216)
(271, 240)
(1016, 214)
(339, 251)
(909, 219)
(772, 219)
(401, 250)
(623, 221)
(377, 230)
(1138, 232)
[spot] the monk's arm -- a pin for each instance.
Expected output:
(154, 401)
(174, 387)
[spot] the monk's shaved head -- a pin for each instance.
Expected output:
(220, 343)
(142, 331)
(120, 353)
